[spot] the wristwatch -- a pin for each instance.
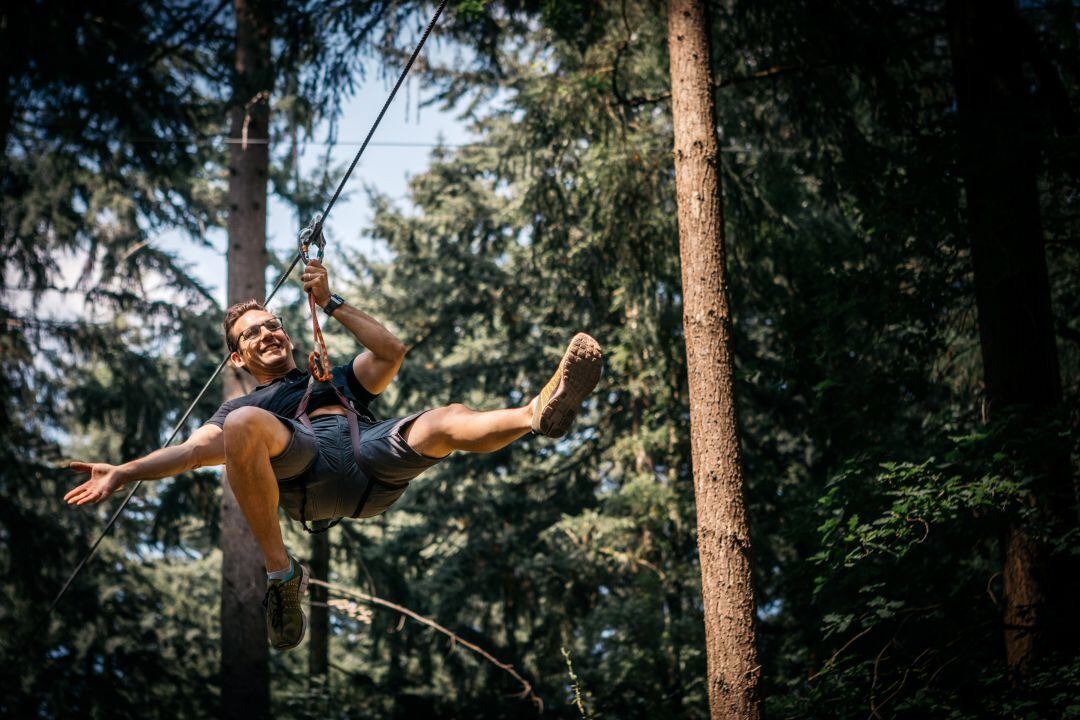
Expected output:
(334, 303)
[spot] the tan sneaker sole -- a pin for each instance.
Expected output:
(555, 408)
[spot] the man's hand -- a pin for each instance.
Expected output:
(316, 282)
(104, 481)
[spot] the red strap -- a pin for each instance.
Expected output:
(318, 359)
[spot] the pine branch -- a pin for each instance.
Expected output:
(575, 684)
(168, 48)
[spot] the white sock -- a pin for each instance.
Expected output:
(285, 574)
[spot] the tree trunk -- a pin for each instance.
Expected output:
(319, 617)
(245, 690)
(723, 534)
(999, 155)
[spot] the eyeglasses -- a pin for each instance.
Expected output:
(253, 332)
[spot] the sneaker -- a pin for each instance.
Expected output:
(555, 408)
(285, 619)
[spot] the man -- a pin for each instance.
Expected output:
(319, 452)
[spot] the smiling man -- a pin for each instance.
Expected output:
(317, 450)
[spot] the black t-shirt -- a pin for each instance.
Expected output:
(282, 396)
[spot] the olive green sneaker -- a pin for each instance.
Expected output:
(555, 408)
(285, 619)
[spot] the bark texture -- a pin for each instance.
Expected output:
(319, 617)
(999, 136)
(245, 690)
(723, 533)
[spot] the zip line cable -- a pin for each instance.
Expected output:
(277, 285)
(267, 141)
(479, 144)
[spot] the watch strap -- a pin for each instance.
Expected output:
(335, 302)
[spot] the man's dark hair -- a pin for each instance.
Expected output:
(233, 314)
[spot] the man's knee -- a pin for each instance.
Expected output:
(247, 425)
(449, 416)
(455, 409)
(435, 425)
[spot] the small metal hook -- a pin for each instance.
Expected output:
(312, 235)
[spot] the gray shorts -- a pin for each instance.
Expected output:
(324, 463)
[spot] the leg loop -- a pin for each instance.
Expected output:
(354, 438)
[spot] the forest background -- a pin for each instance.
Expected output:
(880, 491)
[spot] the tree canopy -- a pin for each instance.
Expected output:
(878, 494)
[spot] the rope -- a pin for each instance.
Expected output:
(318, 359)
(277, 285)
(320, 363)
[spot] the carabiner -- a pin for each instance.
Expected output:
(312, 235)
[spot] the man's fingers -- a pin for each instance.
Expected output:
(91, 497)
(80, 466)
(75, 491)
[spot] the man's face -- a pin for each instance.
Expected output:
(260, 350)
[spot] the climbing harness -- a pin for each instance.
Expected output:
(319, 362)
(354, 440)
(315, 238)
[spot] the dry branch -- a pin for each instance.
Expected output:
(526, 691)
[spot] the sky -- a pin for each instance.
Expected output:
(397, 152)
(400, 149)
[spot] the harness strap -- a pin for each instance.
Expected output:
(301, 409)
(354, 435)
(354, 438)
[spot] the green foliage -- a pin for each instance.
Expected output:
(877, 495)
(899, 508)
(103, 334)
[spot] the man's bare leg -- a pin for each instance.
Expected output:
(252, 437)
(440, 431)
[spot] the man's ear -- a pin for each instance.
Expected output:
(237, 361)
(288, 339)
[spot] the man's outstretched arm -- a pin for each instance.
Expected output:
(376, 367)
(205, 446)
